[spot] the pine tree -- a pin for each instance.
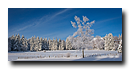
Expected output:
(68, 44)
(59, 44)
(28, 41)
(120, 47)
(17, 44)
(50, 44)
(56, 44)
(46, 44)
(53, 44)
(40, 44)
(12, 42)
(24, 44)
(32, 44)
(109, 42)
(36, 44)
(121, 37)
(27, 45)
(98, 43)
(62, 45)
(9, 44)
(116, 42)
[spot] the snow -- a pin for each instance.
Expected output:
(58, 55)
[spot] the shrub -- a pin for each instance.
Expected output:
(68, 55)
(44, 50)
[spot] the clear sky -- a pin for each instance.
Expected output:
(55, 22)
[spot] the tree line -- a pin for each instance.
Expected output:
(15, 43)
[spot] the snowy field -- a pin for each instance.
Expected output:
(65, 55)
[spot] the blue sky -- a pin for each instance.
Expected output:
(55, 22)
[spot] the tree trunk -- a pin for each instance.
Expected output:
(83, 52)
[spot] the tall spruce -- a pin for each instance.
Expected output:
(9, 44)
(32, 44)
(12, 42)
(24, 44)
(68, 44)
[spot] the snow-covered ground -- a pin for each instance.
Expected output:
(75, 55)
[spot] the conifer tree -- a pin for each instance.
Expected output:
(68, 44)
(59, 44)
(40, 44)
(62, 45)
(36, 44)
(9, 44)
(28, 41)
(32, 44)
(56, 44)
(109, 42)
(17, 44)
(50, 44)
(24, 44)
(120, 47)
(12, 42)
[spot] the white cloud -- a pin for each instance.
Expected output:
(63, 11)
(43, 19)
(102, 21)
(92, 22)
(25, 27)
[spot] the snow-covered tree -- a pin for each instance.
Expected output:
(98, 43)
(50, 44)
(28, 41)
(54, 44)
(45, 45)
(120, 44)
(40, 44)
(120, 37)
(116, 42)
(62, 45)
(24, 44)
(120, 47)
(109, 42)
(12, 38)
(9, 44)
(68, 44)
(32, 43)
(59, 44)
(17, 44)
(36, 44)
(83, 36)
